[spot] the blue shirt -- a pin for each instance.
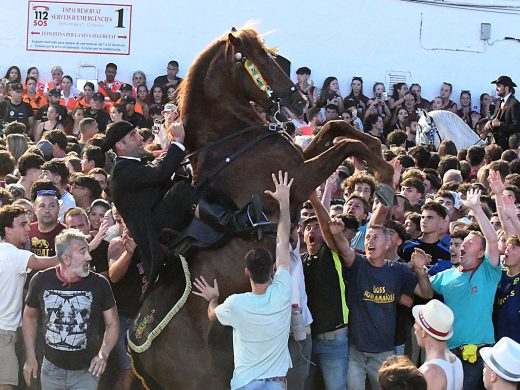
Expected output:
(470, 295)
(506, 313)
(373, 294)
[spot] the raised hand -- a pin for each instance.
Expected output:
(336, 226)
(508, 207)
(495, 182)
(282, 186)
(472, 201)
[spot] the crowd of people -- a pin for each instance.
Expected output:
(360, 289)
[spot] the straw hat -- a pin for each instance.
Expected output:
(435, 318)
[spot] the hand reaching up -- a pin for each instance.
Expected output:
(472, 201)
(495, 182)
(282, 186)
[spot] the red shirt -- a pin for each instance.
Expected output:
(42, 244)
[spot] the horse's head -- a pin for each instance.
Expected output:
(259, 74)
(423, 129)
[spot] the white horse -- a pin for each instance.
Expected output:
(435, 126)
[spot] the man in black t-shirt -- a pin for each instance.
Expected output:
(136, 119)
(128, 283)
(73, 302)
(170, 78)
(326, 297)
(374, 287)
(16, 109)
(433, 219)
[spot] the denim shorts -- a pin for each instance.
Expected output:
(121, 346)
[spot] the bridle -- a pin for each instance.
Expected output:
(276, 98)
(278, 128)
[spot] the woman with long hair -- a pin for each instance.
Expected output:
(447, 104)
(465, 110)
(156, 97)
(13, 74)
(142, 97)
(72, 123)
(377, 105)
(88, 91)
(398, 93)
(330, 87)
(52, 123)
(356, 98)
(401, 119)
(487, 108)
(69, 94)
(35, 73)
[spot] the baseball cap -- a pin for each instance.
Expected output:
(125, 87)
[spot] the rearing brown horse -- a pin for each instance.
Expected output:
(214, 103)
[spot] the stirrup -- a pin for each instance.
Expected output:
(258, 225)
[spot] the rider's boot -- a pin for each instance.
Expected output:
(224, 219)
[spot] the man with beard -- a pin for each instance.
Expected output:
(469, 291)
(47, 227)
(15, 263)
(73, 303)
(506, 120)
(374, 287)
(150, 201)
(110, 87)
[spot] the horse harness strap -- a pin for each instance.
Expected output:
(433, 131)
(220, 141)
(269, 131)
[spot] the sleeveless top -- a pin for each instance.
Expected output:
(453, 371)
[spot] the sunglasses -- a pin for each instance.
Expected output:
(46, 193)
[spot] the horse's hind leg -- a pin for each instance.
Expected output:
(332, 129)
(315, 170)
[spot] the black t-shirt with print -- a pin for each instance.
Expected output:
(21, 112)
(373, 293)
(72, 316)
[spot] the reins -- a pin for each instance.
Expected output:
(267, 131)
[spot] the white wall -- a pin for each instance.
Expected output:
(341, 38)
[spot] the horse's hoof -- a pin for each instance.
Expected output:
(385, 194)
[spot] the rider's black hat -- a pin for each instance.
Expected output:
(504, 80)
(115, 133)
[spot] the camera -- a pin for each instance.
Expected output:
(378, 95)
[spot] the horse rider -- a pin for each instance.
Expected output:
(149, 201)
(506, 119)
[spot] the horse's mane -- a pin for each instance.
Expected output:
(250, 40)
(450, 120)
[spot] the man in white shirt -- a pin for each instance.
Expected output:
(260, 319)
(433, 327)
(15, 263)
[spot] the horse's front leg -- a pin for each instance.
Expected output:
(339, 128)
(316, 170)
